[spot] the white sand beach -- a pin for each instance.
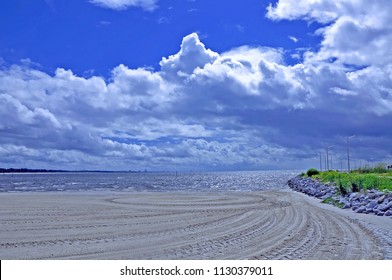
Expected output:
(208, 225)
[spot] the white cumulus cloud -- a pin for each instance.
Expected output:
(356, 31)
(192, 55)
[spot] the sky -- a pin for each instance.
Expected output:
(199, 85)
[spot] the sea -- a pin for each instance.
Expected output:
(144, 181)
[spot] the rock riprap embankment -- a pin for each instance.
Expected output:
(369, 202)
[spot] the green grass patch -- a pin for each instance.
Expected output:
(330, 200)
(356, 181)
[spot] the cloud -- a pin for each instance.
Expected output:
(148, 5)
(192, 55)
(294, 39)
(202, 110)
(163, 20)
(104, 23)
(24, 115)
(355, 32)
(240, 28)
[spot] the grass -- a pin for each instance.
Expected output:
(380, 168)
(330, 200)
(356, 181)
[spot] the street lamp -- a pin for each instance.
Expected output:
(327, 158)
(321, 167)
(348, 152)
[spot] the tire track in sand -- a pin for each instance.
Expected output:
(232, 225)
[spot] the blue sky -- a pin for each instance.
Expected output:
(53, 34)
(194, 85)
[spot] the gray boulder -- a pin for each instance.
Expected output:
(381, 199)
(372, 204)
(346, 205)
(385, 207)
(353, 196)
(361, 209)
(380, 213)
(388, 213)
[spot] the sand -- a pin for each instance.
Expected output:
(232, 225)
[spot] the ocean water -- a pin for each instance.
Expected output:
(159, 182)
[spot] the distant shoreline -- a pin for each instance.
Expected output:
(28, 170)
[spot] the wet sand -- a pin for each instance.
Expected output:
(231, 225)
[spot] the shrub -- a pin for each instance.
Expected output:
(312, 172)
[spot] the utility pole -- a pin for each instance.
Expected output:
(331, 163)
(321, 167)
(327, 157)
(348, 152)
(325, 162)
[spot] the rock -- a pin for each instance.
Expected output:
(343, 200)
(379, 193)
(381, 207)
(372, 204)
(353, 196)
(388, 213)
(380, 213)
(319, 194)
(385, 207)
(389, 205)
(363, 203)
(363, 197)
(369, 202)
(369, 210)
(375, 194)
(361, 209)
(381, 199)
(346, 205)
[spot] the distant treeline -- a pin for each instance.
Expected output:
(27, 170)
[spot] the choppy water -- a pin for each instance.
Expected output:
(219, 181)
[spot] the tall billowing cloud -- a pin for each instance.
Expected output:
(241, 109)
(192, 55)
(148, 5)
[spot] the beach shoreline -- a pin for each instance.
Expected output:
(268, 224)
